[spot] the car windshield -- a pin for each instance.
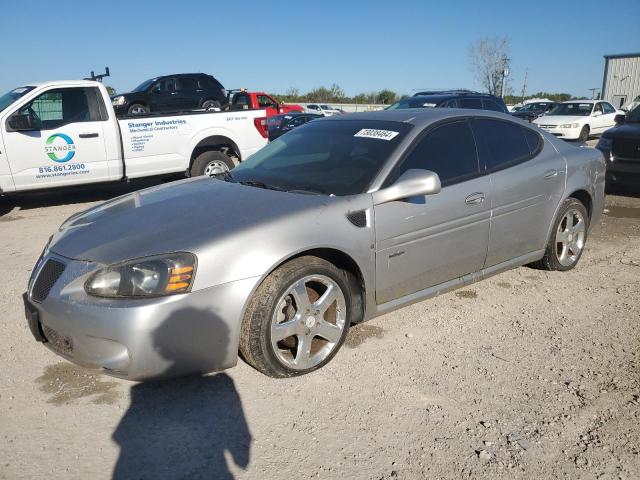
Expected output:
(532, 106)
(10, 97)
(144, 85)
(326, 157)
(574, 109)
(634, 115)
(412, 102)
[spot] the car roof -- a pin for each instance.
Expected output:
(584, 101)
(419, 117)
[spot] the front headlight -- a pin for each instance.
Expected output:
(570, 125)
(144, 277)
(605, 144)
(117, 101)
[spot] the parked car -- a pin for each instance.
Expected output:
(281, 124)
(171, 93)
(65, 133)
(578, 119)
(531, 111)
(324, 110)
(260, 100)
(156, 283)
(621, 148)
(452, 99)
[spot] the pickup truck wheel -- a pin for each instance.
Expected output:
(584, 134)
(568, 238)
(298, 318)
(137, 109)
(211, 163)
(211, 104)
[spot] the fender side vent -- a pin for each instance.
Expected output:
(358, 218)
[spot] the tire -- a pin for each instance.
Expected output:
(138, 109)
(210, 104)
(584, 134)
(573, 239)
(210, 163)
(280, 306)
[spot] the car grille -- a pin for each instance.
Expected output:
(60, 343)
(548, 126)
(47, 278)
(626, 148)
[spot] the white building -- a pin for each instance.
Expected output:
(621, 81)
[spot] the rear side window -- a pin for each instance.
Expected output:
(187, 84)
(492, 105)
(474, 103)
(449, 151)
(608, 108)
(504, 143)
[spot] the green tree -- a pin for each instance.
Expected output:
(387, 96)
(110, 90)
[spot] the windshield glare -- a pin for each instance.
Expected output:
(575, 109)
(144, 85)
(10, 97)
(340, 157)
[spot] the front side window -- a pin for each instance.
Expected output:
(449, 151)
(608, 108)
(505, 143)
(62, 106)
(340, 157)
(264, 101)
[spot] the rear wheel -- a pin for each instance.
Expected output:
(138, 109)
(211, 163)
(568, 237)
(211, 104)
(584, 134)
(297, 319)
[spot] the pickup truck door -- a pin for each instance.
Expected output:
(67, 146)
(6, 180)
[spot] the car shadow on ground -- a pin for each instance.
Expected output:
(181, 428)
(76, 195)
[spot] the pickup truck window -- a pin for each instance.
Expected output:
(241, 99)
(61, 106)
(264, 101)
(10, 97)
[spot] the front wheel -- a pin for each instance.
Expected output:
(584, 134)
(297, 319)
(568, 237)
(138, 109)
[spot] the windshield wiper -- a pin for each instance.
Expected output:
(266, 186)
(311, 190)
(226, 176)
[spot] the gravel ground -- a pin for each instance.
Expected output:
(529, 374)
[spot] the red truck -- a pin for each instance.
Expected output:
(241, 99)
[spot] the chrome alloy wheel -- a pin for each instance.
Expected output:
(308, 322)
(570, 237)
(215, 167)
(138, 110)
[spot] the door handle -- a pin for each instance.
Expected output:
(551, 173)
(474, 199)
(89, 135)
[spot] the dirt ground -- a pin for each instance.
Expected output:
(529, 374)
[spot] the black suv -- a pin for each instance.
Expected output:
(171, 93)
(621, 148)
(452, 99)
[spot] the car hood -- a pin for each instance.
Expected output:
(627, 130)
(558, 119)
(183, 216)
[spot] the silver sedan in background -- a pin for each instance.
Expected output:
(339, 221)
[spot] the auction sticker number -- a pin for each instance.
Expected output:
(375, 133)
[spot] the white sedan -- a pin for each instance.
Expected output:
(324, 110)
(579, 119)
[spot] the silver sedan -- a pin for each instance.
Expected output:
(334, 223)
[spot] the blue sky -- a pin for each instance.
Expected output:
(273, 45)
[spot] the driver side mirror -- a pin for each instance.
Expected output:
(619, 119)
(22, 122)
(412, 183)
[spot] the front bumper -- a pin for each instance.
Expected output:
(565, 133)
(623, 171)
(139, 339)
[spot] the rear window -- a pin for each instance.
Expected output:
(505, 143)
(474, 103)
(327, 157)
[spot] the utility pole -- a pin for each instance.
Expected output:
(593, 92)
(505, 74)
(524, 85)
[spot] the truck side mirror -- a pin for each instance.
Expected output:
(619, 119)
(22, 122)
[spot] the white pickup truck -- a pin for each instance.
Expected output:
(63, 133)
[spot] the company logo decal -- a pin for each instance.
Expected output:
(60, 148)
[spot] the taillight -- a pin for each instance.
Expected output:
(261, 126)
